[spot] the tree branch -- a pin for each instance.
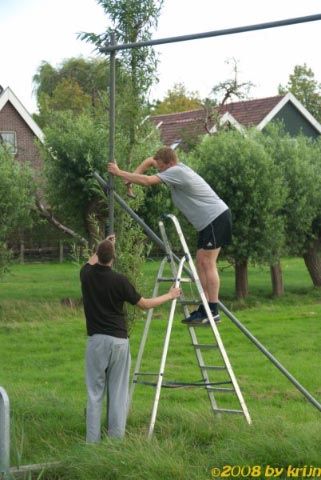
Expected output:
(45, 213)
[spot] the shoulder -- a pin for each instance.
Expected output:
(85, 269)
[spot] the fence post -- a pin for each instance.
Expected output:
(61, 251)
(22, 250)
(4, 433)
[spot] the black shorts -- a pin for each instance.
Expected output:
(216, 234)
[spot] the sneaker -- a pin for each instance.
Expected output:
(199, 317)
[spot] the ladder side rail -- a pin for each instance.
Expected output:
(168, 248)
(165, 351)
(192, 333)
(212, 323)
(4, 433)
(145, 334)
(221, 347)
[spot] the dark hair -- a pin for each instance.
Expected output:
(105, 252)
(166, 155)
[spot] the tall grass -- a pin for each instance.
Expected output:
(42, 346)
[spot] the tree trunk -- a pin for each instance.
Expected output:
(241, 279)
(277, 279)
(312, 260)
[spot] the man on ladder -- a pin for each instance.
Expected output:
(202, 207)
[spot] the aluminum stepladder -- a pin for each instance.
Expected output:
(229, 386)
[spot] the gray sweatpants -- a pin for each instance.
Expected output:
(107, 369)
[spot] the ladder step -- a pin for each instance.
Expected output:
(190, 302)
(204, 345)
(207, 385)
(148, 373)
(213, 367)
(227, 410)
(221, 389)
(173, 279)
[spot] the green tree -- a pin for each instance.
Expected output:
(242, 173)
(75, 146)
(306, 88)
(299, 160)
(132, 21)
(77, 84)
(177, 99)
(16, 200)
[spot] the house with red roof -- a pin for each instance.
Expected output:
(18, 130)
(178, 129)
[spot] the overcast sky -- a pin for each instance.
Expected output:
(32, 31)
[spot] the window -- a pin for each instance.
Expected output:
(9, 139)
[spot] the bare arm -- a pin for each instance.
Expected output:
(146, 303)
(137, 178)
(145, 165)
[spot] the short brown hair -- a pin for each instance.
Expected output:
(166, 155)
(105, 252)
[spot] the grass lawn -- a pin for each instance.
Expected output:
(42, 347)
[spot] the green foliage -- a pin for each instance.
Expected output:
(306, 88)
(74, 147)
(132, 22)
(16, 199)
(299, 161)
(77, 84)
(177, 99)
(245, 176)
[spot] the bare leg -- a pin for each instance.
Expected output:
(207, 271)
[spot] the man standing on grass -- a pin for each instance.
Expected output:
(202, 207)
(108, 355)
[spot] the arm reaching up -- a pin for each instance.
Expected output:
(137, 178)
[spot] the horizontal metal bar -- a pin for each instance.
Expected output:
(207, 385)
(204, 345)
(189, 302)
(172, 279)
(221, 389)
(227, 410)
(215, 33)
(213, 367)
(23, 470)
(147, 373)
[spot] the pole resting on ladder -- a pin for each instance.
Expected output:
(229, 385)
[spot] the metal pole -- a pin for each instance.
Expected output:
(215, 33)
(149, 232)
(269, 355)
(232, 317)
(4, 433)
(111, 156)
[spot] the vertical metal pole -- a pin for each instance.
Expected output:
(4, 433)
(111, 157)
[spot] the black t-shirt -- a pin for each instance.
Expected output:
(104, 293)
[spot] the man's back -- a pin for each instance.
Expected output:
(104, 293)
